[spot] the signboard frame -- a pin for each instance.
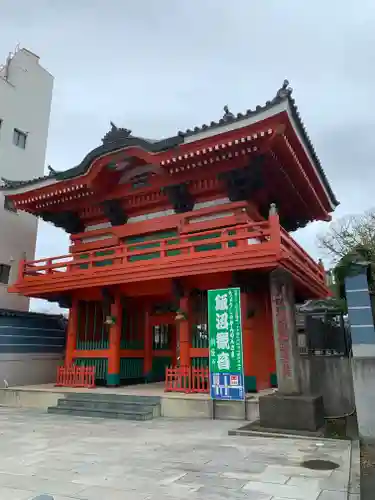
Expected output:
(226, 370)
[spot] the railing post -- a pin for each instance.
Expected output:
(21, 270)
(275, 229)
(162, 249)
(90, 256)
(49, 264)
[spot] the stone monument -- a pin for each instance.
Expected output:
(289, 408)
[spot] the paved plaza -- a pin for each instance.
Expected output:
(83, 459)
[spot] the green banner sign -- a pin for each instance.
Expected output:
(225, 337)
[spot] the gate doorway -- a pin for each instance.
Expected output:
(164, 344)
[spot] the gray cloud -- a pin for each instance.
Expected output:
(160, 66)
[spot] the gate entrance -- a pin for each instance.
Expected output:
(164, 345)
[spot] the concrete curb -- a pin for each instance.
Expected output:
(354, 486)
(237, 432)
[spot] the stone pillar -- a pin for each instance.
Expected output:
(113, 375)
(284, 332)
(363, 347)
(288, 408)
(71, 340)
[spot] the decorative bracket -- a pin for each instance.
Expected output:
(114, 212)
(180, 198)
(68, 220)
(243, 183)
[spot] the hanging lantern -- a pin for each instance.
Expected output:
(110, 320)
(180, 315)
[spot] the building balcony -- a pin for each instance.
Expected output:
(249, 246)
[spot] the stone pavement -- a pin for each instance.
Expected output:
(77, 458)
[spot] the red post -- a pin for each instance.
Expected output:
(113, 375)
(72, 333)
(275, 229)
(184, 333)
(148, 341)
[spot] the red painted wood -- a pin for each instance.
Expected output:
(84, 353)
(199, 352)
(76, 376)
(187, 379)
(275, 247)
(115, 337)
(165, 353)
(72, 332)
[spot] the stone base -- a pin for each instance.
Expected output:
(299, 413)
(255, 429)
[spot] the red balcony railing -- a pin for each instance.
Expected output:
(241, 246)
(300, 258)
(185, 246)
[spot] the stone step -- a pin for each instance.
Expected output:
(95, 404)
(88, 412)
(127, 398)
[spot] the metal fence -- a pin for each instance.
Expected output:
(323, 334)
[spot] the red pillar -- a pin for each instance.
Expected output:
(113, 375)
(148, 342)
(71, 340)
(184, 332)
(246, 341)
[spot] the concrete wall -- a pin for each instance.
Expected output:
(25, 104)
(331, 377)
(28, 369)
(363, 347)
(364, 386)
(180, 406)
(31, 347)
(29, 398)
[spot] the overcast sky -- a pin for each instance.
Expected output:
(158, 66)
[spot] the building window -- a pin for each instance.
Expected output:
(19, 138)
(4, 273)
(9, 205)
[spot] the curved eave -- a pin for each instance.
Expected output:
(168, 148)
(134, 143)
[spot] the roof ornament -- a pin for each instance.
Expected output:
(116, 134)
(6, 182)
(228, 116)
(285, 90)
(273, 209)
(51, 170)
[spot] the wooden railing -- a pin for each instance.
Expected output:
(300, 256)
(184, 245)
(266, 238)
(75, 376)
(187, 379)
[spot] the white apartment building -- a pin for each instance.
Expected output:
(25, 106)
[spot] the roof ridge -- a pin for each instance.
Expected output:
(283, 93)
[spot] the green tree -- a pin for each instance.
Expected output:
(347, 240)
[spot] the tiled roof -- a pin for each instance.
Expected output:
(115, 139)
(283, 94)
(118, 138)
